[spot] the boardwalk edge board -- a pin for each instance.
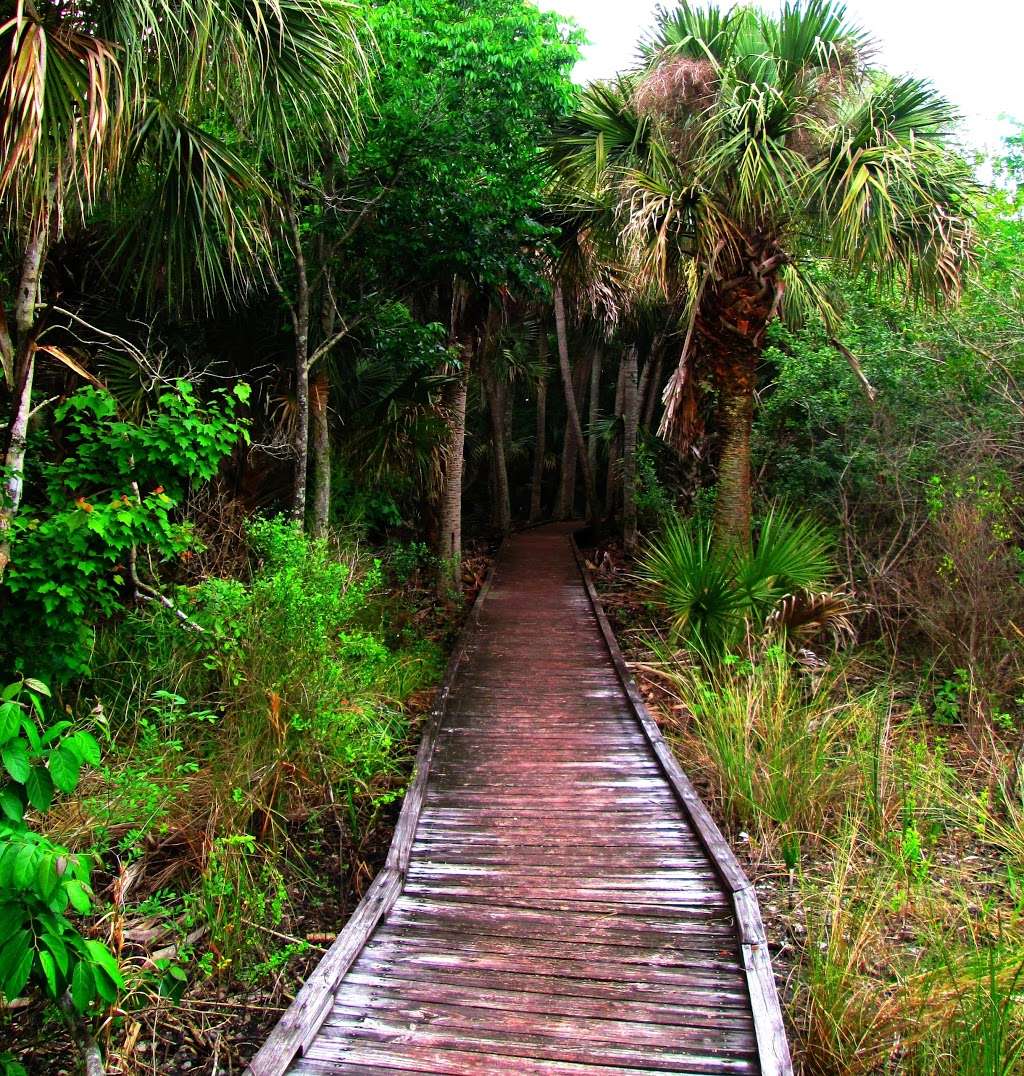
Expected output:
(769, 1029)
(301, 1022)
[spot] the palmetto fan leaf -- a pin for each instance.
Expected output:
(199, 228)
(746, 146)
(61, 110)
(163, 86)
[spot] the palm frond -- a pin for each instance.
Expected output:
(807, 615)
(61, 115)
(192, 225)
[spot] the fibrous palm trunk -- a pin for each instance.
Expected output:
(495, 393)
(630, 422)
(300, 324)
(614, 450)
(736, 414)
(595, 406)
(652, 390)
(320, 446)
(570, 448)
(570, 402)
(319, 416)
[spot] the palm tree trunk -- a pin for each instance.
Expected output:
(496, 408)
(595, 406)
(450, 550)
(652, 392)
(733, 500)
(614, 448)
(300, 443)
(24, 376)
(320, 410)
(540, 436)
(630, 417)
(570, 403)
(567, 476)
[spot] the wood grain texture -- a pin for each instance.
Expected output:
(557, 898)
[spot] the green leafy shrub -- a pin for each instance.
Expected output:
(287, 689)
(117, 492)
(40, 880)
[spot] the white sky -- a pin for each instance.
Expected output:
(971, 51)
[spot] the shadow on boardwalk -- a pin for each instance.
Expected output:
(557, 900)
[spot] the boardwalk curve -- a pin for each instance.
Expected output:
(557, 898)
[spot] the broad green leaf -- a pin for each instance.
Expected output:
(87, 747)
(38, 686)
(105, 987)
(39, 788)
(83, 986)
(11, 805)
(10, 720)
(64, 768)
(24, 866)
(47, 880)
(59, 950)
(46, 962)
(78, 895)
(18, 976)
(16, 761)
(105, 959)
(13, 948)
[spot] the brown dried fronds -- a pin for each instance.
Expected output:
(676, 88)
(806, 616)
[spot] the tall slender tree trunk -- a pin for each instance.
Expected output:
(300, 320)
(630, 421)
(540, 435)
(496, 407)
(595, 406)
(570, 403)
(24, 375)
(570, 453)
(733, 500)
(319, 417)
(615, 448)
(451, 502)
(320, 446)
(456, 396)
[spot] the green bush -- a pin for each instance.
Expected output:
(111, 503)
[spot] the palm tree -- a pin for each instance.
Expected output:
(122, 95)
(746, 147)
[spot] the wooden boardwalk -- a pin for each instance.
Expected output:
(557, 900)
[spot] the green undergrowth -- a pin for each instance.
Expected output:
(256, 737)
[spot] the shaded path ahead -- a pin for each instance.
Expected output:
(562, 903)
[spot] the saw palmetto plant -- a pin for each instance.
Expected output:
(743, 148)
(717, 596)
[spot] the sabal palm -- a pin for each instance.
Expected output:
(98, 96)
(745, 146)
